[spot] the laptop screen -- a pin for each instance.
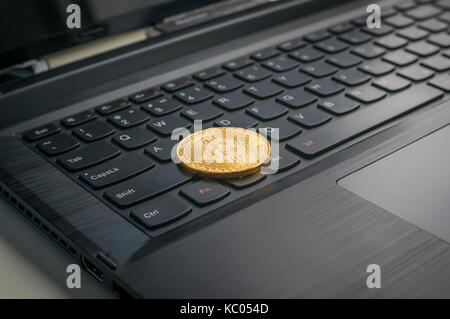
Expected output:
(30, 29)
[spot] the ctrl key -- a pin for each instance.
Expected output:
(160, 212)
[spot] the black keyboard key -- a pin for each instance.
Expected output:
(193, 95)
(166, 125)
(443, 4)
(112, 107)
(368, 51)
(280, 64)
(263, 90)
(252, 74)
(423, 12)
(391, 42)
(79, 119)
(400, 58)
(147, 185)
(57, 144)
(133, 138)
(296, 98)
(324, 87)
(338, 105)
(433, 25)
(160, 212)
(161, 151)
(291, 79)
(406, 5)
(351, 77)
(341, 28)
(265, 54)
(378, 32)
(415, 73)
(352, 125)
(88, 156)
(445, 17)
(366, 94)
(437, 63)
(360, 21)
(441, 39)
(291, 45)
(318, 69)
(355, 37)
(286, 129)
(391, 83)
(422, 49)
(331, 46)
(40, 132)
(128, 118)
(146, 95)
(413, 33)
(446, 53)
(209, 74)
(246, 181)
(224, 84)
(344, 60)
(441, 82)
(233, 101)
(205, 192)
(235, 120)
(177, 84)
(267, 110)
(376, 68)
(202, 112)
(162, 106)
(317, 36)
(399, 21)
(306, 55)
(310, 117)
(116, 170)
(286, 160)
(93, 131)
(238, 64)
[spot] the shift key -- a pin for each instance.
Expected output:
(146, 186)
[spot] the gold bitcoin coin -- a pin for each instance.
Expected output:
(223, 152)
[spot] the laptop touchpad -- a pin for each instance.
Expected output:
(412, 183)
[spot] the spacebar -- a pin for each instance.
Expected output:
(340, 131)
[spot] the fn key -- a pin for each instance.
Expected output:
(204, 192)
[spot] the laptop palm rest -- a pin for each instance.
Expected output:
(412, 183)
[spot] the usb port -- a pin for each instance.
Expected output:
(92, 269)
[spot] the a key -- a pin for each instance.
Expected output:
(391, 42)
(162, 106)
(378, 32)
(112, 107)
(203, 112)
(331, 46)
(235, 120)
(146, 95)
(93, 131)
(160, 212)
(341, 28)
(40, 132)
(78, 119)
(267, 110)
(437, 63)
(296, 98)
(246, 181)
(376, 67)
(324, 87)
(252, 74)
(233, 101)
(161, 151)
(317, 36)
(291, 79)
(57, 144)
(310, 117)
(422, 49)
(441, 39)
(263, 90)
(88, 156)
(286, 129)
(280, 64)
(178, 84)
(423, 12)
(368, 51)
(399, 21)
(166, 125)
(128, 118)
(204, 192)
(413, 33)
(291, 45)
(339, 105)
(193, 95)
(133, 138)
(433, 25)
(415, 73)
(337, 132)
(392, 83)
(116, 170)
(209, 74)
(344, 60)
(366, 94)
(355, 37)
(400, 58)
(147, 185)
(441, 82)
(238, 64)
(265, 54)
(285, 160)
(224, 84)
(318, 69)
(351, 77)
(306, 55)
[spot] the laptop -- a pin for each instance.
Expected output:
(92, 91)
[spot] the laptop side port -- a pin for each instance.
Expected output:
(92, 269)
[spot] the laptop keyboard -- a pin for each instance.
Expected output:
(320, 90)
